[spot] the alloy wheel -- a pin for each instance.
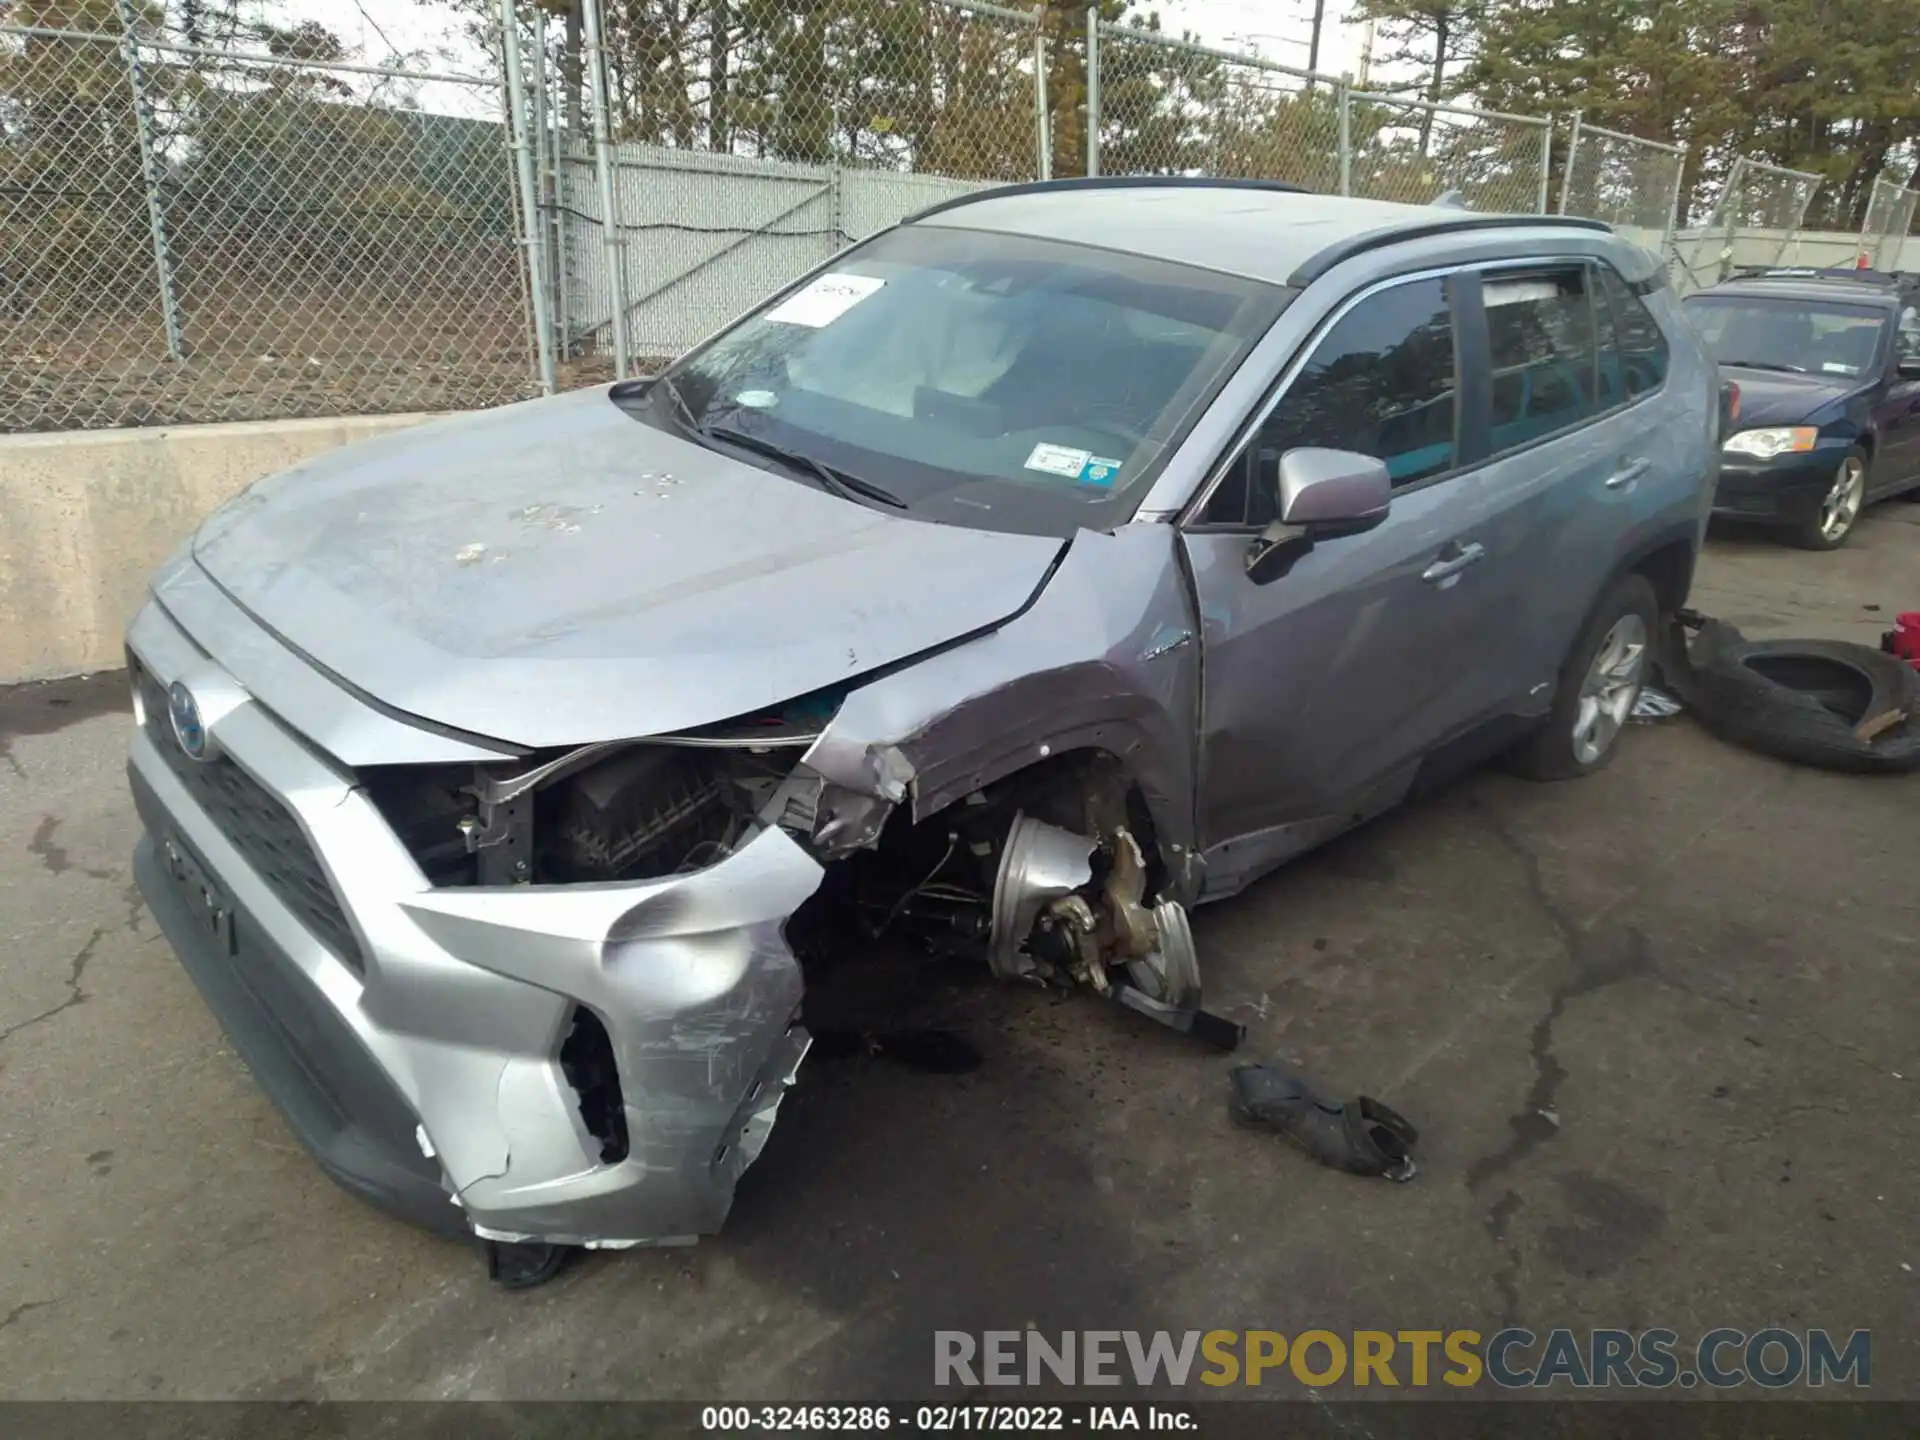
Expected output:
(1842, 505)
(1611, 686)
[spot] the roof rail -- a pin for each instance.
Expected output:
(1104, 182)
(1314, 267)
(1846, 273)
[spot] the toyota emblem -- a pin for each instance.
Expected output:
(187, 727)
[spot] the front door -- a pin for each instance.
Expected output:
(1324, 686)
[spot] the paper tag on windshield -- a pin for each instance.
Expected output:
(825, 300)
(1059, 460)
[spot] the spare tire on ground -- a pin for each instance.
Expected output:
(1824, 703)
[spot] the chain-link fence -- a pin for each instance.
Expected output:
(1755, 222)
(1171, 107)
(1628, 182)
(1164, 106)
(195, 231)
(747, 153)
(192, 234)
(1414, 151)
(1883, 231)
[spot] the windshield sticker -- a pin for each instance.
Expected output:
(1059, 460)
(1835, 367)
(756, 399)
(825, 300)
(1082, 465)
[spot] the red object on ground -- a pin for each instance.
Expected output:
(1905, 639)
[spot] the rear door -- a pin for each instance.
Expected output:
(1584, 453)
(1897, 468)
(1323, 686)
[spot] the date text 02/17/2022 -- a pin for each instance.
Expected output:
(942, 1419)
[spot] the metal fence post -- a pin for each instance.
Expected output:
(1731, 200)
(150, 178)
(1043, 130)
(837, 237)
(562, 240)
(546, 179)
(1343, 94)
(1546, 169)
(519, 122)
(1093, 90)
(1573, 154)
(610, 233)
(1673, 205)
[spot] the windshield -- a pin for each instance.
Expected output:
(995, 381)
(1784, 334)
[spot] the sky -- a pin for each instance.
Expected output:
(1279, 29)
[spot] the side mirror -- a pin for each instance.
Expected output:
(1318, 494)
(1333, 488)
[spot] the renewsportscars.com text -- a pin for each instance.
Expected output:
(1720, 1359)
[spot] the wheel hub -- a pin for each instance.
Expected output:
(1611, 686)
(1842, 504)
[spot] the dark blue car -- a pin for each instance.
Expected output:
(1827, 419)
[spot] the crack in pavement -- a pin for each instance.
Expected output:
(1598, 963)
(1507, 1278)
(54, 857)
(75, 996)
(17, 1311)
(135, 903)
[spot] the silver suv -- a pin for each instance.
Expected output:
(1046, 565)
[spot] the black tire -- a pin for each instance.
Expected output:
(1801, 700)
(1552, 753)
(1811, 533)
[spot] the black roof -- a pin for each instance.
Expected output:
(1813, 283)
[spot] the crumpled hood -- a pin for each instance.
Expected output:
(556, 572)
(1768, 397)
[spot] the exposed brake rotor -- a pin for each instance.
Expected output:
(1049, 918)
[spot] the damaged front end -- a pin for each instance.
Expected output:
(555, 999)
(674, 889)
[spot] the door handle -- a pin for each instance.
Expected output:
(1463, 556)
(1628, 473)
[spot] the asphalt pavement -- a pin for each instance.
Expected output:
(1658, 1030)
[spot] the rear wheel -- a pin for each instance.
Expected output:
(1599, 683)
(1829, 527)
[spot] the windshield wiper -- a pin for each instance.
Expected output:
(1766, 365)
(833, 481)
(682, 411)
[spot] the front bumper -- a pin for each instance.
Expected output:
(1786, 490)
(412, 1036)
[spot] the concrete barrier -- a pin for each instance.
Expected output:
(86, 516)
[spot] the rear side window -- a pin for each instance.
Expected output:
(1635, 360)
(1381, 382)
(1540, 329)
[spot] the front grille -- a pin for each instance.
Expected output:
(257, 825)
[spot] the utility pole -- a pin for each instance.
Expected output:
(1313, 45)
